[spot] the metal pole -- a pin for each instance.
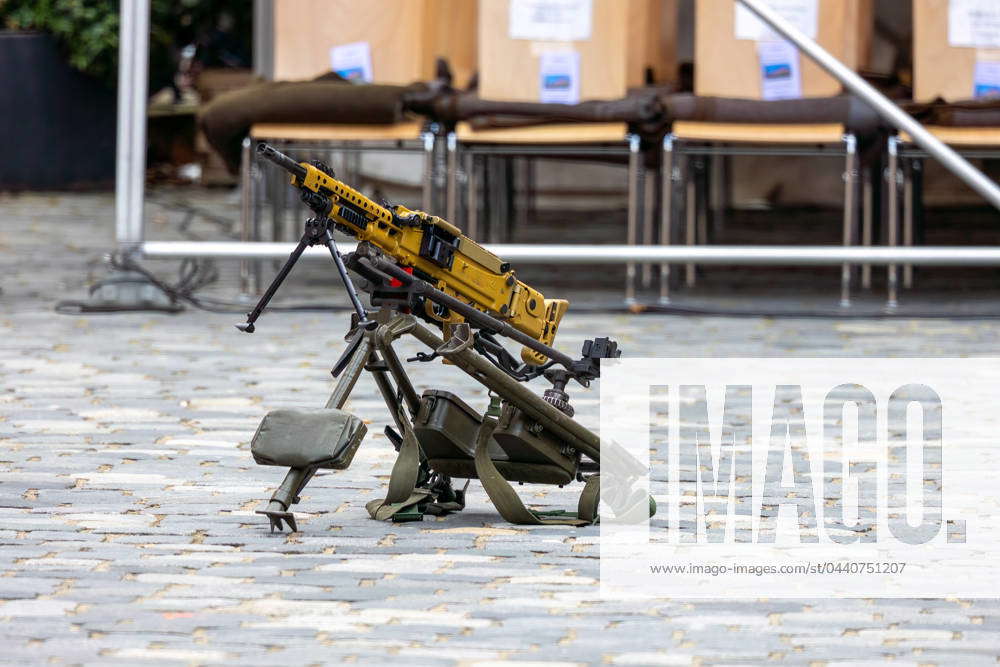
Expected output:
(892, 192)
(952, 161)
(451, 189)
(850, 169)
(428, 179)
(263, 38)
(666, 211)
(246, 209)
(517, 253)
(632, 225)
(130, 172)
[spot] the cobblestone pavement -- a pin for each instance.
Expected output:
(127, 494)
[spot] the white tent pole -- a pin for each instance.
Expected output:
(130, 172)
(951, 160)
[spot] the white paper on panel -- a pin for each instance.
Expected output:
(552, 20)
(780, 78)
(974, 23)
(559, 77)
(352, 61)
(803, 14)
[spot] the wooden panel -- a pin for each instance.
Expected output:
(651, 41)
(627, 36)
(575, 133)
(939, 70)
(825, 133)
(728, 67)
(972, 137)
(329, 132)
(450, 32)
(405, 36)
(863, 14)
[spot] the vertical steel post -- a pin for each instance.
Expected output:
(451, 189)
(648, 209)
(245, 210)
(867, 216)
(691, 213)
(130, 173)
(850, 181)
(472, 196)
(427, 136)
(907, 217)
(892, 192)
(666, 212)
(632, 231)
(263, 38)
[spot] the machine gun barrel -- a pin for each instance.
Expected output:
(282, 160)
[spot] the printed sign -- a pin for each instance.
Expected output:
(551, 20)
(559, 77)
(352, 61)
(986, 80)
(780, 78)
(803, 14)
(974, 23)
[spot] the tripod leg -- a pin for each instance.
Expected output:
(286, 496)
(384, 338)
(352, 293)
(248, 326)
(350, 372)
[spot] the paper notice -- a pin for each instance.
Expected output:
(803, 14)
(352, 61)
(779, 71)
(553, 20)
(559, 77)
(986, 79)
(974, 23)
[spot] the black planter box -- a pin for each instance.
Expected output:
(57, 125)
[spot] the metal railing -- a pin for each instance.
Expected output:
(620, 254)
(131, 104)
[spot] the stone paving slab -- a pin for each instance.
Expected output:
(127, 533)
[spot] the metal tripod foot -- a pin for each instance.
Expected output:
(276, 517)
(286, 496)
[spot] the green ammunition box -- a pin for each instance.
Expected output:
(446, 428)
(536, 451)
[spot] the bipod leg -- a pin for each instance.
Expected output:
(352, 292)
(304, 242)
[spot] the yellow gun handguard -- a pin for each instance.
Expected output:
(439, 253)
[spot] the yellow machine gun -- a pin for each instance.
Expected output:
(434, 250)
(417, 265)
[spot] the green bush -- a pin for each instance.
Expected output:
(87, 32)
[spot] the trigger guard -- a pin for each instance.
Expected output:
(453, 318)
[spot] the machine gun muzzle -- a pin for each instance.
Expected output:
(282, 160)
